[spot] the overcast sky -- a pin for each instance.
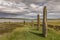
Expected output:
(29, 8)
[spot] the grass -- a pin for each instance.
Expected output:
(8, 27)
(27, 32)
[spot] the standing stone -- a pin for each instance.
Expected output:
(32, 23)
(44, 28)
(38, 21)
(24, 22)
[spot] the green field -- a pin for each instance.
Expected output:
(19, 31)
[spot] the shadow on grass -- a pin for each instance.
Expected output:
(38, 34)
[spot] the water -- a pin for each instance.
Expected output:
(13, 20)
(18, 20)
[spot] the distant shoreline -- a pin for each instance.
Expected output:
(27, 20)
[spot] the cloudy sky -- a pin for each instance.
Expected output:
(29, 8)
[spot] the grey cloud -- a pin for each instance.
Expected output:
(26, 0)
(8, 15)
(53, 6)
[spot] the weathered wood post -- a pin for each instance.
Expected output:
(44, 28)
(38, 21)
